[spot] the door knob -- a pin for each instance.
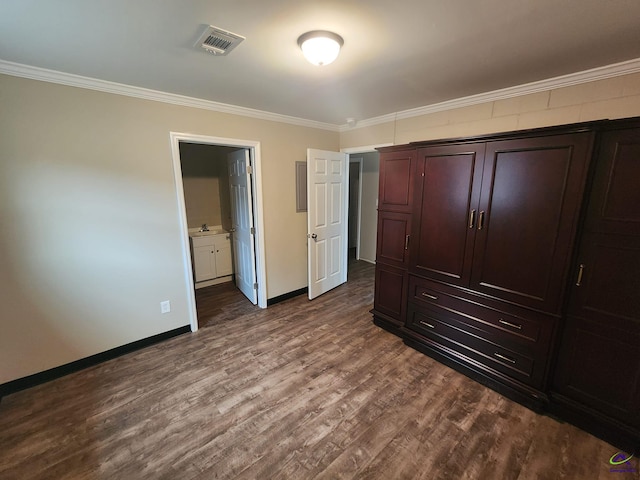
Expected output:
(314, 236)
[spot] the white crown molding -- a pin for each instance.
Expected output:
(592, 75)
(365, 148)
(53, 76)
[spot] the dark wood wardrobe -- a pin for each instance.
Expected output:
(515, 259)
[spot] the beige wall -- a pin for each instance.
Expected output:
(90, 242)
(205, 179)
(613, 98)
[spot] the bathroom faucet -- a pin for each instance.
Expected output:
(204, 228)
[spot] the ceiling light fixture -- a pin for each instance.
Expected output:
(320, 47)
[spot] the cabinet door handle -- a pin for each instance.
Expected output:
(427, 324)
(503, 357)
(472, 218)
(481, 220)
(509, 324)
(432, 297)
(580, 272)
(406, 242)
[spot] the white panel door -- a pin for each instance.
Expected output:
(327, 204)
(243, 233)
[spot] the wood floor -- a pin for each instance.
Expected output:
(301, 390)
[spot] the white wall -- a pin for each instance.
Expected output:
(90, 242)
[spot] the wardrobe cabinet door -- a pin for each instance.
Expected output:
(447, 193)
(390, 297)
(396, 181)
(615, 200)
(599, 359)
(527, 216)
(599, 356)
(393, 238)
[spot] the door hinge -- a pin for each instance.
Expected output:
(249, 169)
(255, 286)
(253, 231)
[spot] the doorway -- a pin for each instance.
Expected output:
(365, 163)
(355, 210)
(255, 184)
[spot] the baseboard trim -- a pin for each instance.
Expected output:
(57, 372)
(215, 281)
(286, 296)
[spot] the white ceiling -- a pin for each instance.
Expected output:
(397, 55)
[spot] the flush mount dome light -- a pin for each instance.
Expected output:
(320, 47)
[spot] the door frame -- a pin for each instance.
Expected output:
(359, 161)
(356, 151)
(258, 212)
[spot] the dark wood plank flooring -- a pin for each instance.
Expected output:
(301, 390)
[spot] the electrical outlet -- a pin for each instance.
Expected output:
(165, 307)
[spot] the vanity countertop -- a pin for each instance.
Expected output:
(207, 233)
(213, 230)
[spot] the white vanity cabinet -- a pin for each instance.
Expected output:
(224, 265)
(211, 256)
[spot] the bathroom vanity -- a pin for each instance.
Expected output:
(211, 257)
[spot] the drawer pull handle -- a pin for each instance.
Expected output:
(432, 297)
(427, 324)
(509, 324)
(502, 357)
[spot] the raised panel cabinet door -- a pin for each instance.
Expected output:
(598, 367)
(446, 202)
(396, 181)
(224, 263)
(529, 207)
(393, 238)
(599, 361)
(204, 263)
(390, 296)
(599, 356)
(614, 205)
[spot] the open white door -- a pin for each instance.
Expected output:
(327, 205)
(243, 233)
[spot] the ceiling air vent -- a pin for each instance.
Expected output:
(217, 41)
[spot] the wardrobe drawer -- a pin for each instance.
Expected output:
(526, 367)
(513, 323)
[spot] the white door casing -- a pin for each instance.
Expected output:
(243, 235)
(327, 207)
(256, 156)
